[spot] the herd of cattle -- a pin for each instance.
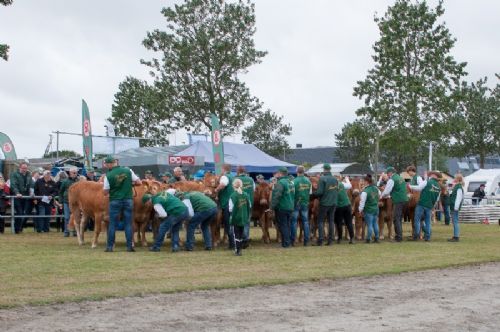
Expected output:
(87, 200)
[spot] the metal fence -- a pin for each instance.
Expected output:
(13, 214)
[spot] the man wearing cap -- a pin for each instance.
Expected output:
(303, 190)
(396, 190)
(148, 175)
(282, 203)
(249, 188)
(165, 177)
(91, 175)
(327, 192)
(224, 191)
(118, 184)
(172, 213)
(202, 210)
(63, 195)
(430, 190)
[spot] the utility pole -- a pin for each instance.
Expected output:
(57, 144)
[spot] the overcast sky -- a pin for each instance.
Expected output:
(63, 51)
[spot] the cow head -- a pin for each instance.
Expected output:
(262, 193)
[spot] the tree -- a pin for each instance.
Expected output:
(355, 142)
(410, 88)
(268, 133)
(4, 49)
(207, 45)
(475, 126)
(62, 154)
(139, 111)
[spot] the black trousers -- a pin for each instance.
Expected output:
(325, 212)
(22, 206)
(238, 237)
(343, 215)
(398, 219)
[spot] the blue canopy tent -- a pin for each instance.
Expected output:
(254, 160)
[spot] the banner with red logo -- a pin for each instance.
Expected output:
(7, 147)
(86, 135)
(181, 160)
(217, 145)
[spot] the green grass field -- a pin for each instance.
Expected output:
(48, 268)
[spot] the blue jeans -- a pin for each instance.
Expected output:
(204, 219)
(304, 211)
(284, 218)
(426, 212)
(42, 224)
(456, 227)
(172, 223)
(372, 225)
(66, 217)
(116, 207)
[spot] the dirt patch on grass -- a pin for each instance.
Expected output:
(456, 299)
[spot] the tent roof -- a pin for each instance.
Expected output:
(341, 168)
(254, 160)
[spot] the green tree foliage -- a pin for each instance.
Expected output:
(475, 126)
(4, 49)
(268, 133)
(62, 154)
(355, 142)
(409, 89)
(207, 45)
(139, 111)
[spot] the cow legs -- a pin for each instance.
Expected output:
(263, 226)
(381, 223)
(76, 223)
(97, 231)
(142, 229)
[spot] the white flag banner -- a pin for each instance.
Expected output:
(110, 129)
(111, 145)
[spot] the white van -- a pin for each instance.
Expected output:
(489, 177)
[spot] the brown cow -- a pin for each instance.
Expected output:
(143, 214)
(385, 215)
(359, 224)
(86, 199)
(260, 209)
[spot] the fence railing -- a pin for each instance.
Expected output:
(13, 214)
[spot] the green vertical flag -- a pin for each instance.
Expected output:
(7, 147)
(217, 146)
(86, 135)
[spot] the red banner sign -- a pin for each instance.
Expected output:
(181, 160)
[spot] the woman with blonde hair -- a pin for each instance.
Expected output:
(240, 209)
(456, 198)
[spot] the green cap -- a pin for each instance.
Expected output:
(146, 198)
(148, 172)
(390, 169)
(167, 174)
(283, 170)
(327, 166)
(260, 176)
(109, 159)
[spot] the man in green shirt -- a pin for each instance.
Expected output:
(396, 189)
(327, 192)
(118, 184)
(283, 203)
(303, 190)
(63, 195)
(430, 190)
(202, 210)
(172, 213)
